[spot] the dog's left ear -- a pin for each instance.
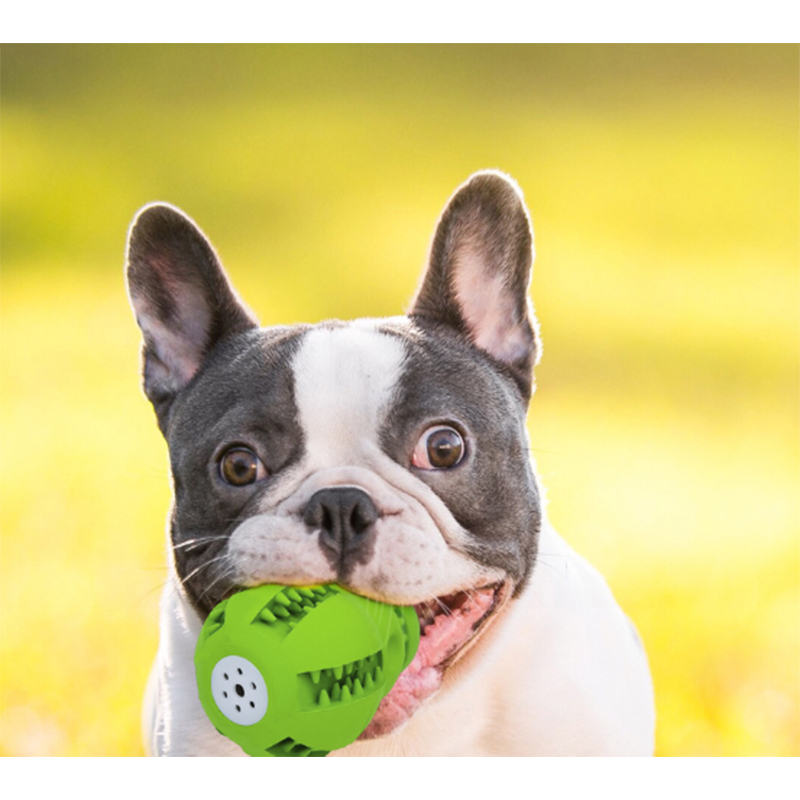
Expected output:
(479, 272)
(182, 300)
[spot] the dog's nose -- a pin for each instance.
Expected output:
(344, 516)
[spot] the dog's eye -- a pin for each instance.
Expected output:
(439, 447)
(241, 466)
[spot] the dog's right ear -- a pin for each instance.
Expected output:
(182, 300)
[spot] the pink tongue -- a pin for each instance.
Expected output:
(423, 676)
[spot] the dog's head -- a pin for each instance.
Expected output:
(388, 455)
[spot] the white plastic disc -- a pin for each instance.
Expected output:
(239, 690)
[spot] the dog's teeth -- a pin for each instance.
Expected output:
(282, 599)
(378, 675)
(358, 690)
(315, 675)
(338, 672)
(336, 692)
(346, 694)
(306, 593)
(368, 682)
(324, 698)
(267, 616)
(293, 594)
(281, 612)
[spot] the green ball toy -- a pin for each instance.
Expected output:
(291, 671)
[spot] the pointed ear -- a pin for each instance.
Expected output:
(182, 300)
(479, 272)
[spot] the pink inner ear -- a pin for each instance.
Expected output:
(179, 344)
(488, 307)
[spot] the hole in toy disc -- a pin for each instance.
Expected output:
(240, 690)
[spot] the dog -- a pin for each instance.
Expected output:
(390, 456)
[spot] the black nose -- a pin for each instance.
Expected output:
(344, 516)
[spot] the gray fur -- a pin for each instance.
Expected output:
(492, 493)
(243, 395)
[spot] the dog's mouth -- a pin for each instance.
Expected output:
(449, 626)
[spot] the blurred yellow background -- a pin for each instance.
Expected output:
(663, 185)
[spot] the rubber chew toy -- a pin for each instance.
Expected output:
(288, 671)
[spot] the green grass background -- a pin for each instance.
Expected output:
(663, 185)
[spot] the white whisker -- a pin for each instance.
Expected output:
(198, 542)
(203, 566)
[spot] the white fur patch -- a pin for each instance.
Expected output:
(276, 548)
(344, 380)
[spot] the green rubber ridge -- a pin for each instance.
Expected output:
(327, 657)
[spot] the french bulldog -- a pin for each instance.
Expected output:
(389, 456)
